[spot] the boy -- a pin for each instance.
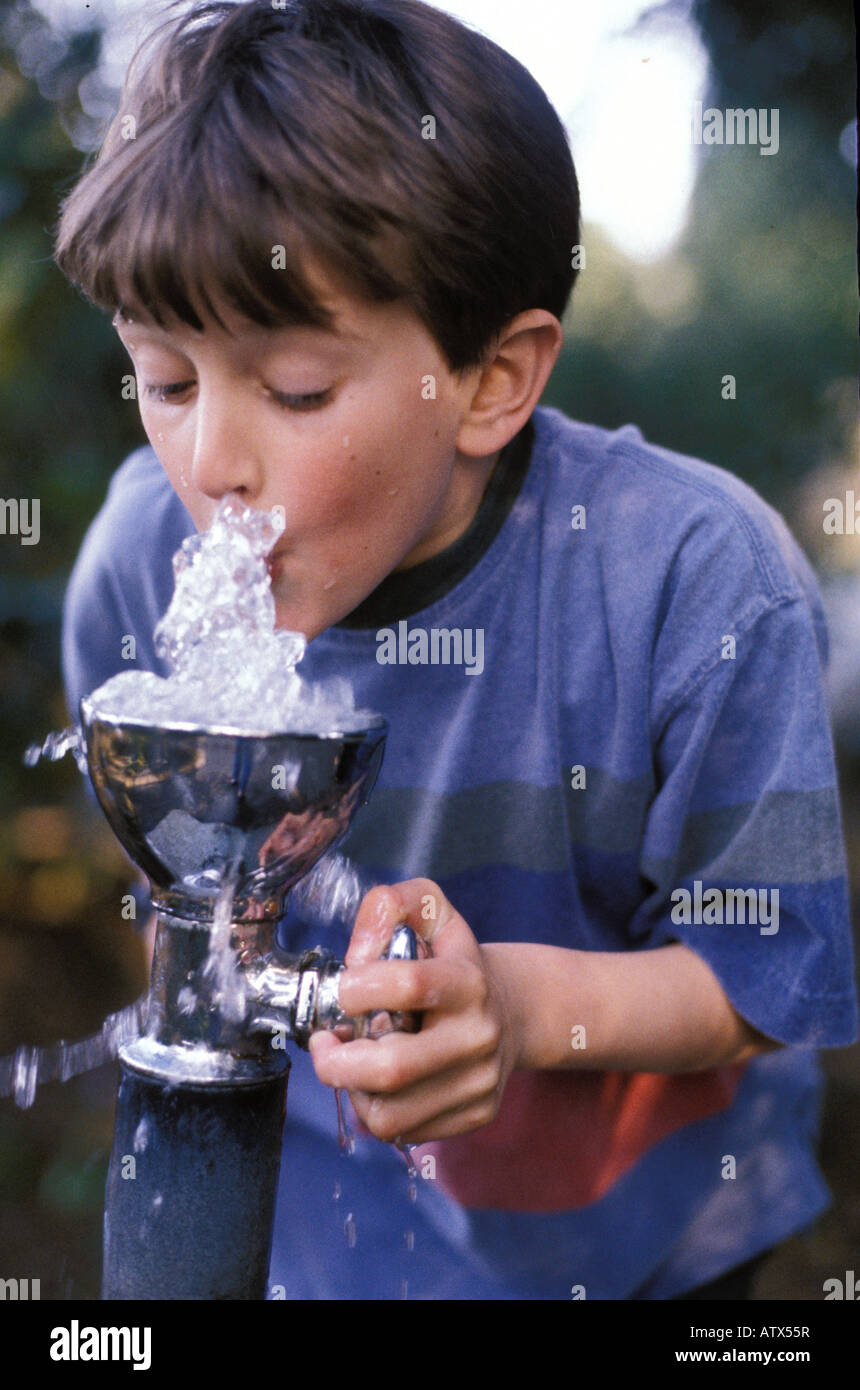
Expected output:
(338, 248)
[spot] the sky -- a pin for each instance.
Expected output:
(625, 94)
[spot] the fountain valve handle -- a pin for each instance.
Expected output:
(300, 993)
(325, 1011)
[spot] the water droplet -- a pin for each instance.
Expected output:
(186, 1000)
(393, 491)
(404, 1288)
(409, 1239)
(345, 1136)
(406, 1151)
(26, 1076)
(350, 1231)
(338, 1192)
(346, 441)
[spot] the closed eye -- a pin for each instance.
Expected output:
(163, 393)
(309, 401)
(312, 401)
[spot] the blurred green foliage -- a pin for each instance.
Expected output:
(64, 424)
(763, 284)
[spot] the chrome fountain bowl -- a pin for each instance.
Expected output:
(197, 808)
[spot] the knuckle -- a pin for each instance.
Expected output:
(477, 1116)
(380, 898)
(476, 982)
(487, 1112)
(390, 1073)
(414, 988)
(487, 1036)
(492, 1079)
(381, 1123)
(425, 885)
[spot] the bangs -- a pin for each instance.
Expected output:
(260, 153)
(191, 215)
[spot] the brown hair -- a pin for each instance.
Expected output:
(305, 126)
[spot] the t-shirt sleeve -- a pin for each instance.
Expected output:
(743, 842)
(122, 580)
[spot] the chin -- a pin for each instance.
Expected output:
(314, 613)
(291, 619)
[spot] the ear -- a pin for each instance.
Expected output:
(510, 383)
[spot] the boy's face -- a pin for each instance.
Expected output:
(340, 428)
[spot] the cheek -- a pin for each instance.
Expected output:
(396, 469)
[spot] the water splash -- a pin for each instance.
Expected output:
(221, 966)
(186, 1000)
(332, 891)
(30, 1067)
(229, 665)
(56, 746)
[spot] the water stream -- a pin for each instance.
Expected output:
(56, 746)
(29, 1067)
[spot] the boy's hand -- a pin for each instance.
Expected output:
(448, 1078)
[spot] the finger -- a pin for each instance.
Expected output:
(387, 1065)
(425, 986)
(321, 1044)
(375, 921)
(464, 1098)
(418, 901)
(454, 1122)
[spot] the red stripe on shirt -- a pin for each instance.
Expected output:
(561, 1139)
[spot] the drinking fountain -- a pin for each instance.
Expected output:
(223, 823)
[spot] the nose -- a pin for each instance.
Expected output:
(224, 458)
